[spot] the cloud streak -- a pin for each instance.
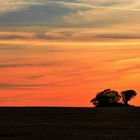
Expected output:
(72, 34)
(20, 86)
(95, 7)
(31, 65)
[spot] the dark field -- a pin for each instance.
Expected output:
(36, 123)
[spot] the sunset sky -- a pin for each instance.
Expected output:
(62, 52)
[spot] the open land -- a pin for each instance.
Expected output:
(67, 123)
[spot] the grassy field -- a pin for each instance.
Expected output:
(36, 123)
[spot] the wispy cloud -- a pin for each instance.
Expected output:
(45, 19)
(31, 65)
(17, 5)
(48, 13)
(20, 86)
(69, 34)
(118, 36)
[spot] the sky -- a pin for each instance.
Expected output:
(62, 52)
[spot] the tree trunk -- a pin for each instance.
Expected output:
(126, 103)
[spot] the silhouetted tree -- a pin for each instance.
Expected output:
(127, 95)
(106, 97)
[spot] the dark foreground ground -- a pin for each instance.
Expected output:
(70, 123)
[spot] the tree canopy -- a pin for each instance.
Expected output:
(127, 95)
(110, 97)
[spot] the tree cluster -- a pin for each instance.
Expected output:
(110, 97)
